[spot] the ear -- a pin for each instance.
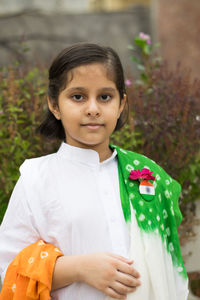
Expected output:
(53, 107)
(122, 105)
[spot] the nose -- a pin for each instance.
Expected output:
(93, 108)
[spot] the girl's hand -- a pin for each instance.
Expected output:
(109, 273)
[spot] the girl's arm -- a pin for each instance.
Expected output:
(111, 274)
(107, 272)
(66, 271)
(17, 229)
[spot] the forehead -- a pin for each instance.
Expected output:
(90, 74)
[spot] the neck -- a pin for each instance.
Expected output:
(103, 150)
(105, 154)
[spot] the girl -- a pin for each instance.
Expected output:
(115, 224)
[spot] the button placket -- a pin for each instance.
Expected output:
(112, 213)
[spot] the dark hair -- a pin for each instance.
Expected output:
(72, 57)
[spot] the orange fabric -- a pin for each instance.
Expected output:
(29, 275)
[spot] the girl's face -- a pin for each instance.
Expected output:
(89, 107)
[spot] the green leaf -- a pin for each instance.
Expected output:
(144, 77)
(139, 42)
(141, 67)
(147, 50)
(135, 59)
(131, 47)
(157, 59)
(156, 45)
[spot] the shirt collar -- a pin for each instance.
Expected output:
(85, 156)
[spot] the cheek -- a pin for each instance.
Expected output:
(70, 114)
(114, 113)
(112, 118)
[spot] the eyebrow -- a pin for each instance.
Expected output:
(106, 89)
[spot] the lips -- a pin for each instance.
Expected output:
(92, 125)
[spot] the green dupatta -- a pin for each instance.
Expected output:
(161, 215)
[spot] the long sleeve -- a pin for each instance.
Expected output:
(18, 228)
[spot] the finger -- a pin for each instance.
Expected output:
(112, 293)
(130, 261)
(128, 280)
(121, 257)
(122, 288)
(127, 269)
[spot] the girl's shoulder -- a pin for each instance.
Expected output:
(165, 186)
(36, 167)
(136, 161)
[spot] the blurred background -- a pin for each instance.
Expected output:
(162, 75)
(47, 26)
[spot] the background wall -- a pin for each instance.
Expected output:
(178, 30)
(38, 30)
(67, 6)
(48, 26)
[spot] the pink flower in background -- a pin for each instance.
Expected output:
(145, 37)
(128, 82)
(142, 35)
(143, 174)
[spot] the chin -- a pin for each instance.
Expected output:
(92, 142)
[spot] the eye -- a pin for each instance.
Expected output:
(105, 97)
(77, 97)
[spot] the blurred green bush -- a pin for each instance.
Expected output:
(22, 105)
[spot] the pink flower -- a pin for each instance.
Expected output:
(145, 37)
(146, 174)
(142, 35)
(128, 82)
(143, 174)
(134, 175)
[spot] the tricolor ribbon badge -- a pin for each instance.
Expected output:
(146, 188)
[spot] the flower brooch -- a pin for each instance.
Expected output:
(146, 188)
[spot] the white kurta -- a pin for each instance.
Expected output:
(69, 199)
